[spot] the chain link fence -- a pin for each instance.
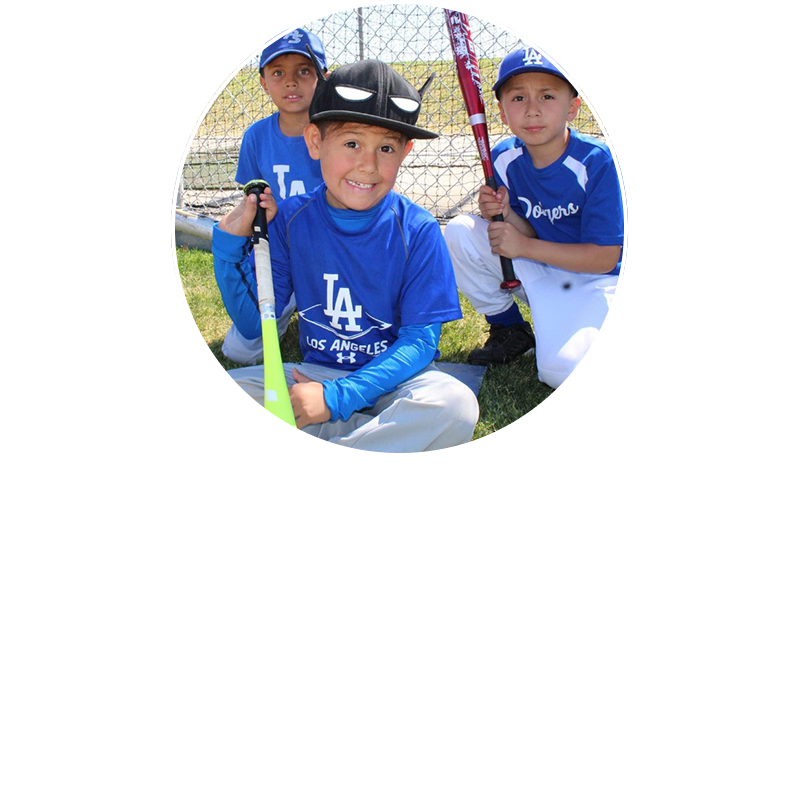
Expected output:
(442, 175)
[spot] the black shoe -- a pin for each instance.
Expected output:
(504, 344)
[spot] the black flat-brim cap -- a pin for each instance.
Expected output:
(372, 93)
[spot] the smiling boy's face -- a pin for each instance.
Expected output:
(537, 106)
(290, 79)
(359, 162)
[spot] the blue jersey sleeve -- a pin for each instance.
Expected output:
(602, 217)
(413, 351)
(236, 281)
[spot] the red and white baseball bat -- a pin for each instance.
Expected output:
(469, 78)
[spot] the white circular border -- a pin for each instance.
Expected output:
(363, 681)
(339, 793)
(387, 568)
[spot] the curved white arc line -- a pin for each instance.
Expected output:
(669, 692)
(385, 568)
(364, 681)
(337, 793)
(130, 692)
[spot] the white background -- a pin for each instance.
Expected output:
(102, 361)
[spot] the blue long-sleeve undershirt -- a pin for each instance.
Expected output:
(236, 281)
(414, 349)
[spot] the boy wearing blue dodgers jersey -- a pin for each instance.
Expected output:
(371, 274)
(273, 149)
(560, 198)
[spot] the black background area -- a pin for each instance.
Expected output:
(401, 626)
(714, 737)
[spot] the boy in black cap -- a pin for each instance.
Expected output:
(371, 274)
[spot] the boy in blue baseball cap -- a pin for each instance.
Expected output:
(560, 199)
(273, 149)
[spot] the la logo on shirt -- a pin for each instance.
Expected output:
(343, 307)
(354, 330)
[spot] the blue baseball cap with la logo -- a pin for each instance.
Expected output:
(527, 59)
(295, 42)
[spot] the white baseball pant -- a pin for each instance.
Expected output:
(567, 308)
(429, 411)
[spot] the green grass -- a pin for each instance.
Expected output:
(507, 392)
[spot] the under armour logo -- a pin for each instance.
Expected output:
(349, 357)
(532, 58)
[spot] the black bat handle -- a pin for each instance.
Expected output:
(260, 223)
(510, 280)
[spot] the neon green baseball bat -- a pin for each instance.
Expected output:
(276, 392)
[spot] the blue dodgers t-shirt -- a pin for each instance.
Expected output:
(574, 200)
(282, 161)
(356, 289)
